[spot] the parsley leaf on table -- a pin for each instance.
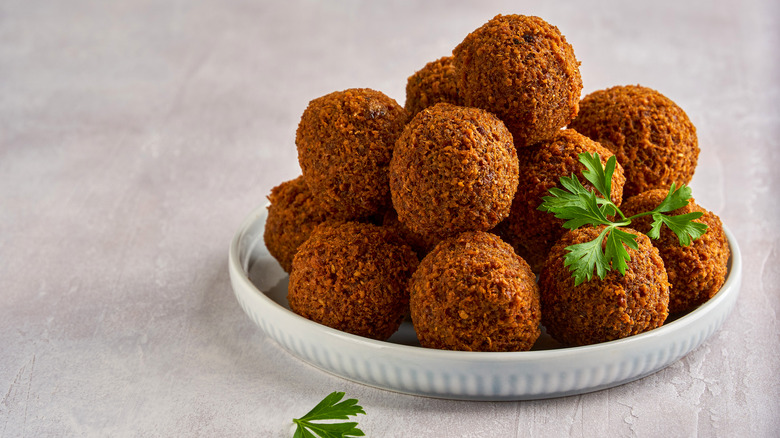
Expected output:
(330, 409)
(579, 207)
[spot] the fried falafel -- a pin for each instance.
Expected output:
(345, 140)
(454, 169)
(650, 135)
(603, 310)
(473, 293)
(533, 232)
(697, 271)
(422, 244)
(434, 83)
(352, 277)
(293, 214)
(523, 70)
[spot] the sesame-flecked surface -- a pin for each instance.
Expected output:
(602, 310)
(696, 272)
(522, 69)
(533, 232)
(352, 277)
(454, 169)
(473, 293)
(345, 140)
(651, 135)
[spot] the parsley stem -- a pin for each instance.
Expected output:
(625, 221)
(646, 213)
(578, 207)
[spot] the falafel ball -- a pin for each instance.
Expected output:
(434, 83)
(353, 277)
(651, 136)
(533, 232)
(422, 244)
(454, 169)
(292, 216)
(473, 293)
(603, 310)
(345, 140)
(523, 70)
(697, 271)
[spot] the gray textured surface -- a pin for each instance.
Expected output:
(136, 135)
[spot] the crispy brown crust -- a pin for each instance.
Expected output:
(533, 232)
(422, 244)
(603, 310)
(454, 169)
(292, 216)
(345, 140)
(651, 136)
(696, 272)
(434, 83)
(473, 293)
(523, 70)
(352, 277)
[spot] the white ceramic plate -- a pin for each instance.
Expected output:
(401, 365)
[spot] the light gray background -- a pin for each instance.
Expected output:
(136, 135)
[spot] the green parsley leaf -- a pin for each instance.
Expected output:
(579, 207)
(676, 198)
(330, 409)
(573, 185)
(600, 177)
(583, 258)
(682, 225)
(616, 252)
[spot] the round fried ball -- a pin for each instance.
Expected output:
(434, 83)
(533, 232)
(422, 244)
(697, 271)
(345, 140)
(473, 293)
(603, 310)
(352, 277)
(454, 169)
(292, 216)
(523, 70)
(651, 136)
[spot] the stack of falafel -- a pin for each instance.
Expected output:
(430, 210)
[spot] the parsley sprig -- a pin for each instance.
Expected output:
(330, 409)
(579, 207)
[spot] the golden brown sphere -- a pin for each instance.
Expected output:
(652, 137)
(603, 310)
(352, 277)
(533, 232)
(345, 140)
(697, 271)
(473, 293)
(454, 169)
(523, 70)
